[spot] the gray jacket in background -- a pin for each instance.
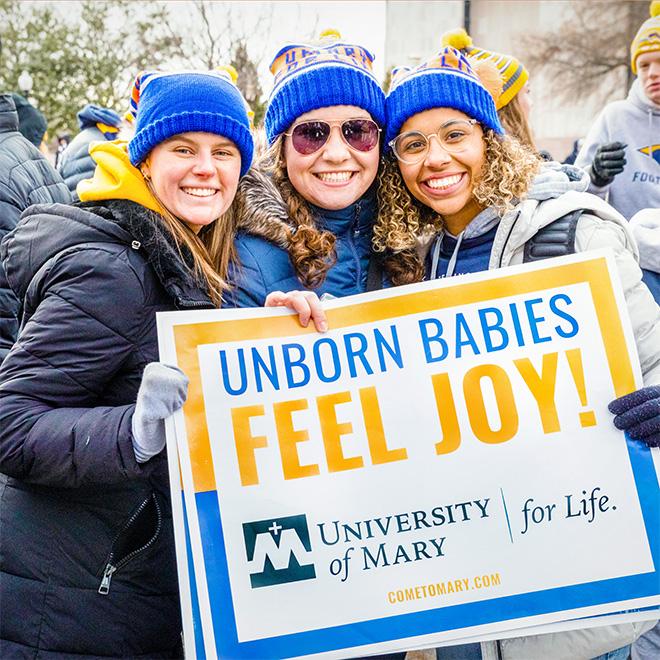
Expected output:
(26, 178)
(634, 121)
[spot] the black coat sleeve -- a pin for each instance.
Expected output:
(9, 215)
(80, 336)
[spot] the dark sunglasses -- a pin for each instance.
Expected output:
(309, 136)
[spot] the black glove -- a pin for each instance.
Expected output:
(609, 160)
(638, 413)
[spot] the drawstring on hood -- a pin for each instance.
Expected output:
(637, 97)
(115, 177)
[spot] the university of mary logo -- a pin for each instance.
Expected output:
(278, 550)
(653, 151)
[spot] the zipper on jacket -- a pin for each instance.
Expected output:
(104, 588)
(111, 567)
(353, 235)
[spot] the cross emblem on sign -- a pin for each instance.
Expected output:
(275, 528)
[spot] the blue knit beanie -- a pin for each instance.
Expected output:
(91, 115)
(445, 81)
(308, 77)
(166, 104)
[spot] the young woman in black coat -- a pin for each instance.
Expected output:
(87, 566)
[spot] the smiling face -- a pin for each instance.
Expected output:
(444, 181)
(336, 175)
(648, 70)
(195, 176)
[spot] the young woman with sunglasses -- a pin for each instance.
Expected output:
(308, 206)
(451, 170)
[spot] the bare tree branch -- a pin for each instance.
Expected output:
(589, 53)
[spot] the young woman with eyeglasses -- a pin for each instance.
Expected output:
(308, 206)
(450, 170)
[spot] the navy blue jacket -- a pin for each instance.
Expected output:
(74, 503)
(26, 178)
(264, 264)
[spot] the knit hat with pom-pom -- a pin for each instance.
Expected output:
(311, 76)
(514, 74)
(447, 80)
(647, 38)
(166, 104)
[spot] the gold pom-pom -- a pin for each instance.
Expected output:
(458, 39)
(330, 33)
(230, 70)
(490, 76)
(655, 8)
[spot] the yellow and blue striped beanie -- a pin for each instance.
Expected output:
(311, 76)
(514, 74)
(647, 38)
(447, 80)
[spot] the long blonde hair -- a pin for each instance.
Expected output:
(210, 251)
(515, 123)
(508, 170)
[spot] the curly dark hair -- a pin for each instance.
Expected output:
(508, 171)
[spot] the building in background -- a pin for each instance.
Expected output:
(414, 29)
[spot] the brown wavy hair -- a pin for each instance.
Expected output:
(209, 252)
(311, 250)
(402, 220)
(515, 123)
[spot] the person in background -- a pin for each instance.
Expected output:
(87, 567)
(577, 145)
(308, 206)
(645, 227)
(515, 102)
(32, 124)
(26, 178)
(621, 152)
(449, 164)
(96, 124)
(62, 143)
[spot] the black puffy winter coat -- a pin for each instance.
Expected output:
(87, 566)
(26, 178)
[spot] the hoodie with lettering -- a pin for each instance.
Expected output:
(634, 121)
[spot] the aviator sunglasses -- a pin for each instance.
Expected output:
(310, 136)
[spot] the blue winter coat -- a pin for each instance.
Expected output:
(75, 504)
(26, 178)
(264, 264)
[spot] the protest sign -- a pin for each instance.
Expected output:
(439, 465)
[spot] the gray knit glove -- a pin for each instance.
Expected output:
(162, 391)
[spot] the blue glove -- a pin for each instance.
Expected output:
(163, 390)
(638, 413)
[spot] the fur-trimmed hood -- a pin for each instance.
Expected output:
(261, 209)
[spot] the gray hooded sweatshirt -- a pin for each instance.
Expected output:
(635, 122)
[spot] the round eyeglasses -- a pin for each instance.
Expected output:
(454, 136)
(308, 137)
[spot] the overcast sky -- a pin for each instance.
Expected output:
(359, 21)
